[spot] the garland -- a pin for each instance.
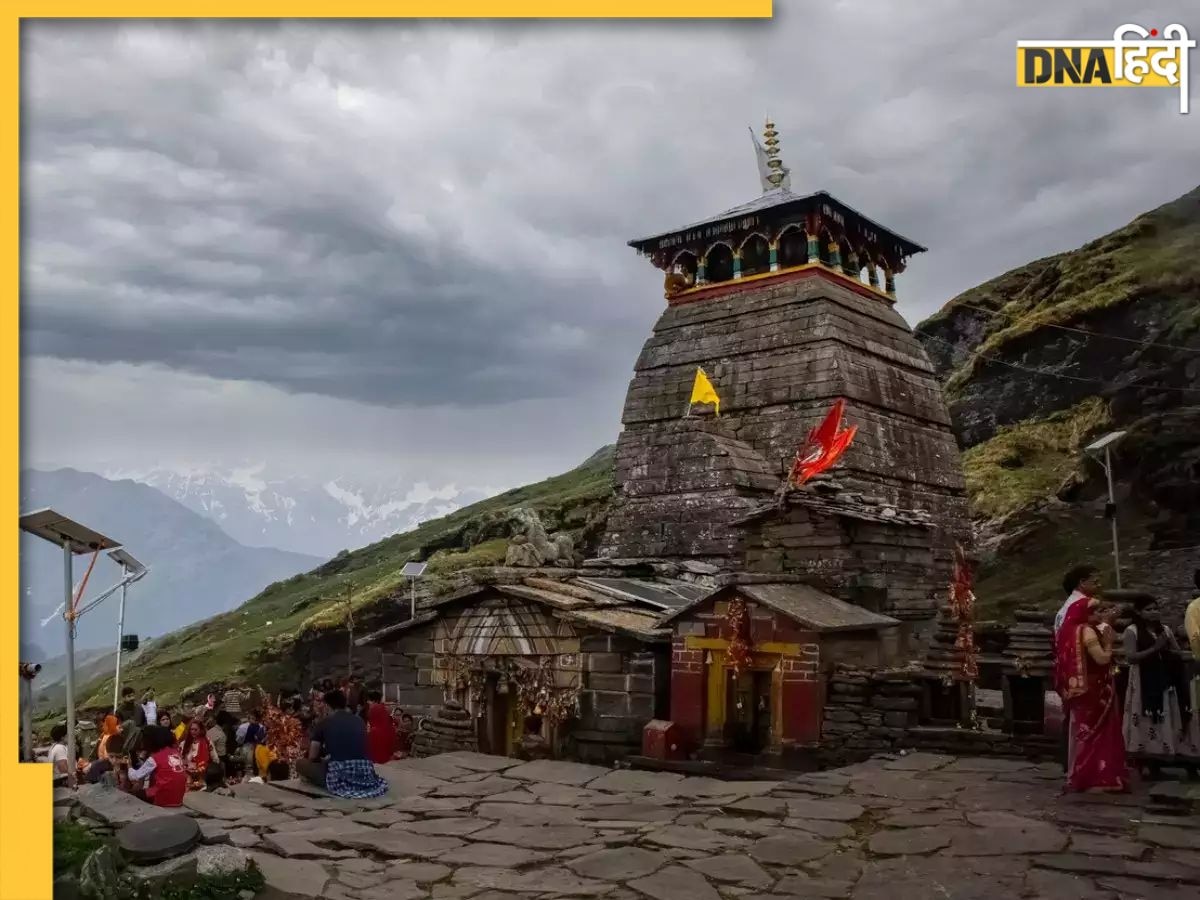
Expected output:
(538, 694)
(737, 624)
(962, 606)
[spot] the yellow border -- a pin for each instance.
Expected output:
(25, 790)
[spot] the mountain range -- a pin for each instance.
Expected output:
(259, 507)
(196, 569)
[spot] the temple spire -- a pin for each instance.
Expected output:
(778, 175)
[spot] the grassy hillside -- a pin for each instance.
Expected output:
(241, 643)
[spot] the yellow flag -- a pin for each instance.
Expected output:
(703, 391)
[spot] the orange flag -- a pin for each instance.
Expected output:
(825, 445)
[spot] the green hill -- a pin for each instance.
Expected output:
(1043, 359)
(248, 642)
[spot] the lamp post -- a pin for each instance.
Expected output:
(1094, 450)
(413, 570)
(73, 538)
(129, 567)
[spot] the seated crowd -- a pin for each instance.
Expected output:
(332, 737)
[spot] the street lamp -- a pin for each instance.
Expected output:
(1093, 450)
(131, 571)
(74, 539)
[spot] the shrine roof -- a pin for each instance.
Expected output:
(779, 202)
(803, 604)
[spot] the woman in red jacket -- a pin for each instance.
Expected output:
(164, 768)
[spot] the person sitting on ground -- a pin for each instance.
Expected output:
(1191, 620)
(337, 755)
(278, 770)
(404, 736)
(196, 751)
(163, 769)
(381, 729)
(250, 734)
(58, 756)
(214, 779)
(216, 738)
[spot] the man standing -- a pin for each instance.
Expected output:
(337, 754)
(1191, 619)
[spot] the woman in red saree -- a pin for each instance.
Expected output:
(381, 730)
(1084, 680)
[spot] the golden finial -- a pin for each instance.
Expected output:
(771, 138)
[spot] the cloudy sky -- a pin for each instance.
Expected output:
(399, 248)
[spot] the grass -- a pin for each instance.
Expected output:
(242, 644)
(1154, 255)
(73, 843)
(1029, 460)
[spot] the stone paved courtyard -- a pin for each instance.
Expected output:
(464, 825)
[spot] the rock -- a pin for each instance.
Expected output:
(525, 814)
(391, 842)
(297, 846)
(450, 827)
(684, 837)
(522, 554)
(1061, 886)
(537, 837)
(630, 812)
(636, 782)
(618, 864)
(675, 883)
(380, 818)
(556, 772)
(1165, 836)
(1103, 845)
(179, 871)
(213, 832)
(804, 886)
(158, 839)
(1002, 841)
(501, 855)
(908, 841)
(732, 867)
(220, 860)
(758, 806)
(99, 877)
(114, 807)
(833, 830)
(419, 872)
(217, 806)
(830, 810)
(288, 878)
(244, 837)
(789, 850)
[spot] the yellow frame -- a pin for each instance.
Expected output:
(26, 809)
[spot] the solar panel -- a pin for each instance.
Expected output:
(650, 593)
(123, 557)
(59, 529)
(414, 569)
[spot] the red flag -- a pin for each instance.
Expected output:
(825, 445)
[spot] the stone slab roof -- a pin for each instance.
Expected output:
(803, 604)
(846, 505)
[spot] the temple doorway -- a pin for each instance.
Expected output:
(495, 725)
(748, 711)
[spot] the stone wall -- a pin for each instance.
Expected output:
(872, 711)
(779, 355)
(625, 686)
(886, 568)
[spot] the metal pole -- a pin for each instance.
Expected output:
(1112, 500)
(27, 719)
(120, 639)
(69, 615)
(412, 606)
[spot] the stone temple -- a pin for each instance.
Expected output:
(727, 609)
(788, 303)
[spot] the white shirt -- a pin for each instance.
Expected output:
(58, 752)
(1062, 612)
(143, 771)
(151, 708)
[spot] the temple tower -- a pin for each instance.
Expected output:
(788, 303)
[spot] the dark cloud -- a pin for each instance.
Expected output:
(435, 214)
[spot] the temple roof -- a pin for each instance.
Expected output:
(777, 204)
(803, 604)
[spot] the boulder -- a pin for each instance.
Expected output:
(158, 839)
(100, 876)
(179, 871)
(221, 860)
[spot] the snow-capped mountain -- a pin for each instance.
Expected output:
(259, 508)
